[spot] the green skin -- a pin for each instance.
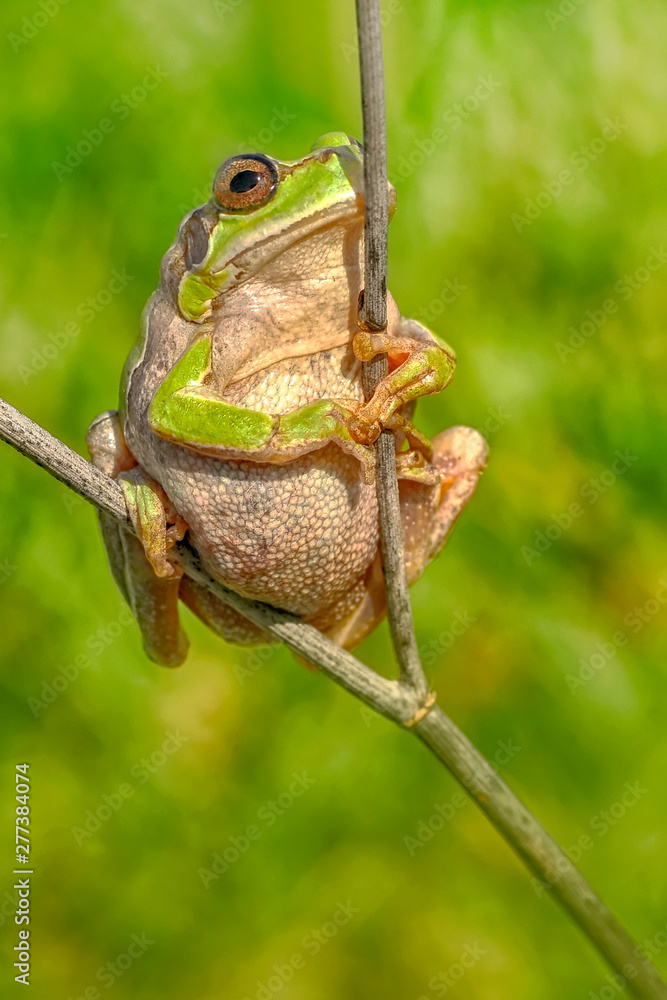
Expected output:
(181, 412)
(176, 394)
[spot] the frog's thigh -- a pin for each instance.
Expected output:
(110, 454)
(355, 614)
(220, 617)
(427, 514)
(154, 601)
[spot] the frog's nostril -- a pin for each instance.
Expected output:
(245, 180)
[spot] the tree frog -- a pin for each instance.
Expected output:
(243, 421)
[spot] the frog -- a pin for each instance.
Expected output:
(243, 426)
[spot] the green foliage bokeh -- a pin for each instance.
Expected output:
(527, 147)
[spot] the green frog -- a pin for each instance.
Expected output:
(243, 421)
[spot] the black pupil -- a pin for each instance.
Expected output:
(245, 180)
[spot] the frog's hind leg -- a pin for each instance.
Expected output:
(459, 456)
(152, 598)
(354, 615)
(220, 617)
(429, 510)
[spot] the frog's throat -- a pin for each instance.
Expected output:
(314, 345)
(197, 291)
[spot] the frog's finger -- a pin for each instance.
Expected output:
(424, 372)
(420, 364)
(417, 441)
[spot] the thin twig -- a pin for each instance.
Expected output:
(528, 838)
(374, 317)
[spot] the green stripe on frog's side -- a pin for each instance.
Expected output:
(182, 413)
(314, 186)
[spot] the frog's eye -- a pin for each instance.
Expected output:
(244, 183)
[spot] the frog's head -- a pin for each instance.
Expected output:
(259, 208)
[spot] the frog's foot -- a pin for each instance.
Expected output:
(419, 364)
(157, 524)
(220, 617)
(142, 569)
(428, 511)
(429, 514)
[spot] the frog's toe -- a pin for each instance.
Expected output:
(460, 451)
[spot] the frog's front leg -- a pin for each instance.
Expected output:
(186, 412)
(419, 364)
(141, 567)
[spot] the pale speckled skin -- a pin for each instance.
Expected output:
(296, 535)
(300, 534)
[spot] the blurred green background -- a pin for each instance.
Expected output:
(527, 146)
